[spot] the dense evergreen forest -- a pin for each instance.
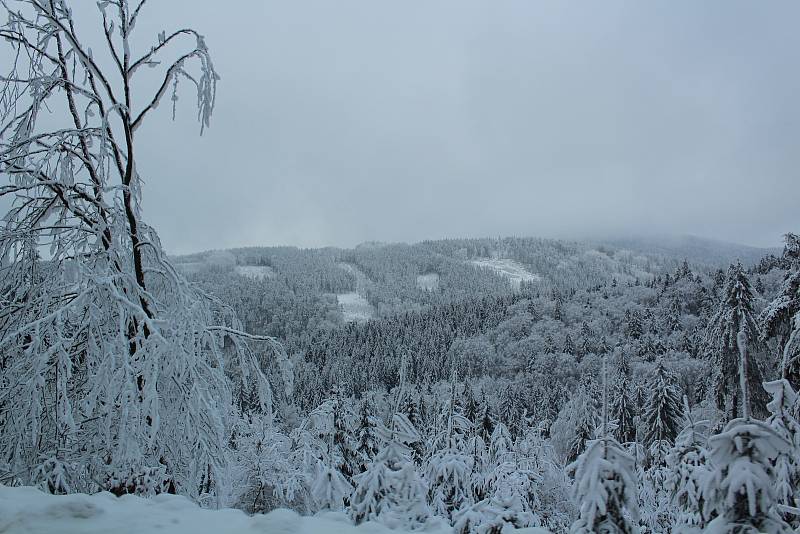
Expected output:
(497, 381)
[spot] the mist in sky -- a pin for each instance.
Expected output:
(340, 122)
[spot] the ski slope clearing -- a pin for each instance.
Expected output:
(256, 272)
(30, 511)
(355, 306)
(428, 281)
(515, 272)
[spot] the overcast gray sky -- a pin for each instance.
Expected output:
(344, 121)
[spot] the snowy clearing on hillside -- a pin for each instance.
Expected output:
(355, 308)
(428, 281)
(354, 304)
(256, 272)
(30, 511)
(514, 271)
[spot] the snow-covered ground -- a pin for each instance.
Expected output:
(29, 511)
(514, 271)
(256, 272)
(428, 281)
(354, 305)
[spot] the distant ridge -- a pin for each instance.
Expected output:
(695, 249)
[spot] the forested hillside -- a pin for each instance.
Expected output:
(501, 367)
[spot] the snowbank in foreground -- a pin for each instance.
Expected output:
(30, 511)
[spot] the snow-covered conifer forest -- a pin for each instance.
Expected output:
(455, 385)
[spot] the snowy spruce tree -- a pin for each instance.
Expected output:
(740, 490)
(450, 466)
(390, 490)
(118, 374)
(663, 413)
(781, 318)
(735, 316)
(784, 410)
(368, 445)
(605, 482)
(330, 488)
(585, 420)
(688, 466)
(622, 409)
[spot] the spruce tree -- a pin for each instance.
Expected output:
(345, 454)
(735, 316)
(783, 419)
(330, 489)
(586, 420)
(569, 346)
(688, 464)
(449, 469)
(605, 483)
(623, 408)
(486, 425)
(663, 413)
(661, 420)
(509, 412)
(390, 489)
(741, 489)
(368, 445)
(781, 318)
(470, 405)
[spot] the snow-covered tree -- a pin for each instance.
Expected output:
(344, 452)
(507, 506)
(390, 490)
(739, 492)
(734, 316)
(783, 419)
(118, 373)
(781, 318)
(662, 414)
(470, 405)
(605, 482)
(449, 468)
(688, 464)
(268, 473)
(622, 408)
(605, 488)
(500, 443)
(330, 488)
(585, 419)
(368, 444)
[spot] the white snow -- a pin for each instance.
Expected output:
(30, 511)
(428, 281)
(256, 272)
(355, 306)
(514, 271)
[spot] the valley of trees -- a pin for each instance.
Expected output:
(619, 391)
